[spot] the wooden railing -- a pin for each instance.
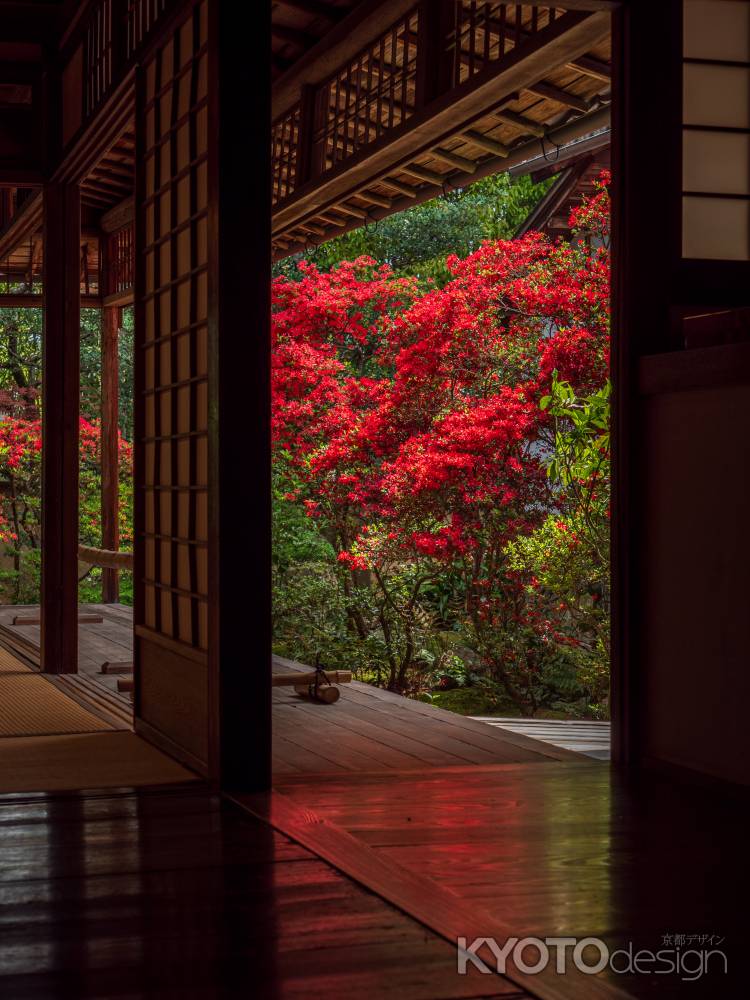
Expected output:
(433, 48)
(107, 40)
(119, 261)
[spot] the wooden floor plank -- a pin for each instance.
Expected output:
(432, 903)
(367, 730)
(555, 849)
(176, 894)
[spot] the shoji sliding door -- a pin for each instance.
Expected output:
(171, 472)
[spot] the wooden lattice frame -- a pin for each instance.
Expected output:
(172, 352)
(372, 93)
(120, 261)
(99, 55)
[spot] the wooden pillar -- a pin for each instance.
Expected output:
(60, 389)
(110, 328)
(434, 59)
(641, 123)
(240, 464)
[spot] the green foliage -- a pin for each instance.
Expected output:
(582, 433)
(20, 466)
(568, 554)
(418, 240)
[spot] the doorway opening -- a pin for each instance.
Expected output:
(441, 424)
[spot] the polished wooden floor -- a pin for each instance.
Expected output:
(367, 730)
(171, 894)
(543, 850)
(371, 730)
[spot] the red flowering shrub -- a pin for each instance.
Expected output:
(418, 445)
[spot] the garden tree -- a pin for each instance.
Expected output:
(418, 240)
(21, 361)
(20, 447)
(444, 443)
(20, 506)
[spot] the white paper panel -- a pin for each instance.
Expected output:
(716, 95)
(715, 228)
(717, 29)
(716, 161)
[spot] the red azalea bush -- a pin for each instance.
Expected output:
(417, 431)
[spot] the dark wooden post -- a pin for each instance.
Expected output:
(642, 32)
(434, 56)
(110, 328)
(60, 389)
(308, 155)
(240, 405)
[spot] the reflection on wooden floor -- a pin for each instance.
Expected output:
(171, 894)
(543, 850)
(369, 729)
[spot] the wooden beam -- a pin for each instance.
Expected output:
(375, 199)
(566, 38)
(110, 497)
(403, 189)
(520, 159)
(424, 173)
(60, 391)
(543, 89)
(316, 7)
(26, 222)
(448, 156)
(592, 67)
(487, 143)
(527, 124)
(118, 217)
(293, 35)
(123, 298)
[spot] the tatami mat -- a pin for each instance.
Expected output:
(30, 705)
(98, 760)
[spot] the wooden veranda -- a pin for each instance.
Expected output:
(367, 730)
(375, 107)
(152, 153)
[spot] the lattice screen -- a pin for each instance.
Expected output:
(173, 353)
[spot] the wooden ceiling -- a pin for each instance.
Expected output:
(298, 25)
(375, 93)
(523, 80)
(111, 180)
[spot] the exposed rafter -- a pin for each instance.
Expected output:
(428, 132)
